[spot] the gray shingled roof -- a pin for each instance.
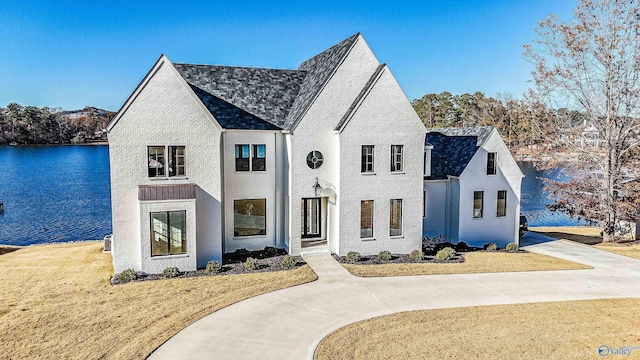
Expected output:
(265, 94)
(319, 70)
(453, 148)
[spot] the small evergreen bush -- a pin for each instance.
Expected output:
(353, 257)
(213, 267)
(462, 246)
(384, 255)
(242, 252)
(491, 247)
(512, 247)
(445, 254)
(416, 255)
(170, 272)
(251, 264)
(271, 251)
(127, 275)
(288, 262)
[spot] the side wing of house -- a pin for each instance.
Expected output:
(489, 204)
(164, 149)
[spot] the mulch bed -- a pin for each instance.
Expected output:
(233, 263)
(399, 259)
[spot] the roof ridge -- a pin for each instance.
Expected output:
(239, 67)
(373, 79)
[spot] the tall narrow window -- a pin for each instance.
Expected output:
(478, 199)
(502, 203)
(249, 217)
(168, 233)
(395, 217)
(176, 161)
(367, 159)
(156, 158)
(491, 163)
(258, 162)
(242, 157)
(396, 158)
(366, 218)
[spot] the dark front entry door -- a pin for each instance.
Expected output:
(311, 218)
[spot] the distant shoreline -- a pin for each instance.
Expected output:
(66, 144)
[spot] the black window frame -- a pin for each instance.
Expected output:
(367, 159)
(169, 234)
(242, 163)
(492, 163)
(397, 166)
(502, 213)
(258, 163)
(481, 198)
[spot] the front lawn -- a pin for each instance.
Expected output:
(557, 330)
(591, 236)
(56, 302)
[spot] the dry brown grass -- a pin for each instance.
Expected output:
(56, 302)
(558, 330)
(630, 250)
(475, 262)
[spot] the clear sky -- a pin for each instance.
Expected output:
(75, 53)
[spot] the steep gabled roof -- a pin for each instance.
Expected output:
(453, 149)
(255, 93)
(319, 70)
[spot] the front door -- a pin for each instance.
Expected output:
(311, 218)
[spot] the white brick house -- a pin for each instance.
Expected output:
(209, 159)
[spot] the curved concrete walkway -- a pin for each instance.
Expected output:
(289, 323)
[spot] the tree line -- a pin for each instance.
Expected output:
(26, 125)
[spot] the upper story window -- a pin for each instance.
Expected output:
(258, 160)
(257, 153)
(166, 161)
(491, 163)
(367, 159)
(396, 158)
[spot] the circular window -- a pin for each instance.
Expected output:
(314, 159)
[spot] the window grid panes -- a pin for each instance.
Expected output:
(258, 162)
(478, 197)
(249, 217)
(395, 217)
(367, 158)
(502, 203)
(176, 161)
(491, 163)
(156, 158)
(242, 157)
(168, 233)
(396, 158)
(366, 219)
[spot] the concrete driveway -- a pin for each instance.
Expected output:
(289, 323)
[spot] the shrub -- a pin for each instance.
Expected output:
(213, 267)
(288, 262)
(512, 247)
(462, 246)
(127, 275)
(491, 247)
(353, 257)
(384, 255)
(242, 252)
(170, 272)
(445, 254)
(416, 255)
(271, 251)
(251, 264)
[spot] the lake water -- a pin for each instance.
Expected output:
(54, 194)
(61, 193)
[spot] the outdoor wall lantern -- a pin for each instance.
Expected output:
(317, 189)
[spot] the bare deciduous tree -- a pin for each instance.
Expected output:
(592, 64)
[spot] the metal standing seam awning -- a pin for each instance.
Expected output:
(166, 192)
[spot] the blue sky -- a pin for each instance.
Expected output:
(76, 53)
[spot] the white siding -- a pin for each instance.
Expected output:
(434, 223)
(240, 185)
